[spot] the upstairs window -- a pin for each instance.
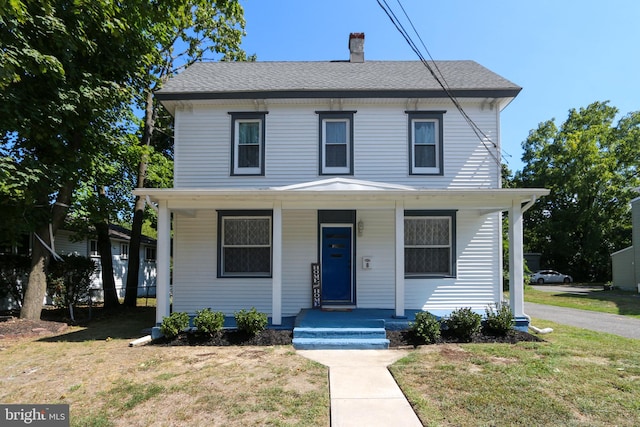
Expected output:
(244, 244)
(336, 143)
(247, 134)
(429, 243)
(124, 251)
(425, 143)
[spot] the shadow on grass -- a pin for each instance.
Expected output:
(627, 302)
(125, 323)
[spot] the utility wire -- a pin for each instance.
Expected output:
(436, 74)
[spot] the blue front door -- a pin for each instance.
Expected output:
(336, 265)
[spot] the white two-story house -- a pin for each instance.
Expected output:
(365, 172)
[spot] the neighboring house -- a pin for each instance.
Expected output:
(120, 238)
(626, 263)
(67, 244)
(365, 169)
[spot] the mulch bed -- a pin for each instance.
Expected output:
(397, 339)
(229, 337)
(54, 322)
(13, 327)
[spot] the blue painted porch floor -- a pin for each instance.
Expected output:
(364, 317)
(317, 329)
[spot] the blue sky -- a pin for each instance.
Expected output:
(563, 53)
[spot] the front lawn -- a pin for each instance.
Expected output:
(108, 383)
(575, 378)
(615, 301)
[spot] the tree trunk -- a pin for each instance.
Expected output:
(133, 268)
(108, 282)
(40, 256)
(104, 248)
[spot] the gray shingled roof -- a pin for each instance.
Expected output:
(302, 79)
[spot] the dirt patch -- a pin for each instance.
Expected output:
(13, 327)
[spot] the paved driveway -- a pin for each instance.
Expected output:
(602, 322)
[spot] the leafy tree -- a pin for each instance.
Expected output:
(591, 166)
(70, 70)
(197, 28)
(70, 67)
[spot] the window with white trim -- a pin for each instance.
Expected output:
(124, 251)
(150, 253)
(425, 143)
(93, 248)
(429, 243)
(245, 239)
(248, 138)
(336, 143)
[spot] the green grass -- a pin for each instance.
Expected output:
(575, 378)
(107, 383)
(616, 301)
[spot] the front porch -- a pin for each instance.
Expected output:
(364, 329)
(363, 317)
(371, 218)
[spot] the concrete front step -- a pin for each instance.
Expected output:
(340, 343)
(349, 338)
(342, 333)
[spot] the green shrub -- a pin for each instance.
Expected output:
(14, 273)
(464, 323)
(69, 280)
(208, 322)
(426, 327)
(499, 321)
(251, 321)
(171, 326)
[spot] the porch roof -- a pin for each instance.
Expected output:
(345, 190)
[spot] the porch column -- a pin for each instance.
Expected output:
(276, 275)
(163, 261)
(399, 259)
(516, 268)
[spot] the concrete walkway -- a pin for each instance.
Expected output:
(363, 391)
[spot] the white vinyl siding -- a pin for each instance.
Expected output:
(65, 246)
(292, 150)
(195, 285)
(299, 236)
(478, 282)
(375, 287)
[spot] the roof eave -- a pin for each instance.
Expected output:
(340, 93)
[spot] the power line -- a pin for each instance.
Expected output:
(436, 74)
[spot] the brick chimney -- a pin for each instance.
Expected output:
(356, 47)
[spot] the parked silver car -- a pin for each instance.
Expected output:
(549, 276)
